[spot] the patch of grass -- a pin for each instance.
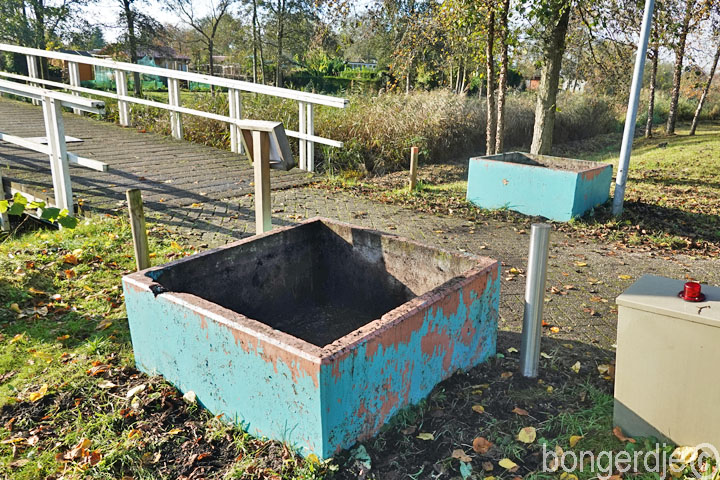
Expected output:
(672, 199)
(66, 370)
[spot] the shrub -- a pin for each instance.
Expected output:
(378, 131)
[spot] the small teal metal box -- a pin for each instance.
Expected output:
(551, 187)
(315, 334)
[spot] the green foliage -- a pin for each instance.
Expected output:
(19, 204)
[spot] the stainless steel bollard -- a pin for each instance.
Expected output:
(534, 299)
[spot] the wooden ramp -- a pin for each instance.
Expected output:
(171, 173)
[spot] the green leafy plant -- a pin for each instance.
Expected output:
(19, 204)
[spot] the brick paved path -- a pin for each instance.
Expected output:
(202, 193)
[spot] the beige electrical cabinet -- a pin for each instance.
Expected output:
(667, 381)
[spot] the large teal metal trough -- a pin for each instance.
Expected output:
(314, 334)
(551, 187)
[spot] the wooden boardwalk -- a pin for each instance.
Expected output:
(170, 173)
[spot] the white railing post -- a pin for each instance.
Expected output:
(235, 104)
(32, 68)
(261, 169)
(122, 90)
(310, 143)
(302, 129)
(176, 125)
(55, 131)
(74, 74)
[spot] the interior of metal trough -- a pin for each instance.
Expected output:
(318, 281)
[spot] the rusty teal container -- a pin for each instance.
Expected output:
(315, 334)
(552, 187)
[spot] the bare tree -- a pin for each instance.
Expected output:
(503, 78)
(655, 53)
(684, 29)
(704, 95)
(206, 25)
(491, 125)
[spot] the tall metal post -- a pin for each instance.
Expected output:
(534, 299)
(629, 132)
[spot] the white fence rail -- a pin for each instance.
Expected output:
(306, 101)
(56, 148)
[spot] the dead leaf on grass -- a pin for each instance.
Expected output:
(527, 435)
(617, 431)
(576, 367)
(520, 411)
(40, 393)
(426, 436)
(478, 409)
(508, 464)
(461, 455)
(574, 439)
(481, 445)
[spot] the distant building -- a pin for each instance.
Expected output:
(372, 64)
(86, 71)
(165, 57)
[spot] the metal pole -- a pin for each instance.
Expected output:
(534, 299)
(631, 116)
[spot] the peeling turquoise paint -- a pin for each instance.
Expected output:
(317, 399)
(499, 181)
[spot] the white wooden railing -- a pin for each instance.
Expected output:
(54, 145)
(306, 101)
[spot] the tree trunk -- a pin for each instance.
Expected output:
(653, 80)
(549, 80)
(696, 117)
(502, 80)
(491, 118)
(280, 35)
(132, 44)
(457, 80)
(255, 43)
(677, 72)
(211, 50)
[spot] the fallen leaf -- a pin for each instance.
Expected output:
(35, 396)
(35, 291)
(71, 259)
(568, 476)
(685, 455)
(507, 464)
(576, 367)
(520, 411)
(20, 337)
(103, 325)
(15, 308)
(555, 329)
(461, 455)
(527, 435)
(481, 445)
(624, 277)
(426, 436)
(617, 431)
(478, 409)
(135, 390)
(106, 384)
(174, 431)
(581, 264)
(19, 463)
(512, 350)
(550, 389)
(545, 355)
(69, 273)
(603, 369)
(62, 338)
(506, 374)
(190, 397)
(488, 467)
(134, 434)
(574, 439)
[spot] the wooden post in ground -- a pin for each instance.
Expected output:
(139, 233)
(414, 151)
(4, 217)
(261, 167)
